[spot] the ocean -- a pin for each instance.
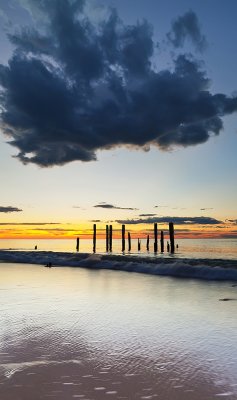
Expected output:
(118, 326)
(201, 259)
(187, 248)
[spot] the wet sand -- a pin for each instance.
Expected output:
(71, 333)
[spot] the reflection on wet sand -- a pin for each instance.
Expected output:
(91, 379)
(69, 334)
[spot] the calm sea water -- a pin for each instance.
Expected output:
(190, 248)
(72, 333)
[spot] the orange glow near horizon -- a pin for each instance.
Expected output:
(85, 231)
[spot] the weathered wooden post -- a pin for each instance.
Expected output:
(94, 238)
(129, 241)
(110, 237)
(107, 238)
(123, 237)
(162, 242)
(155, 238)
(77, 246)
(138, 244)
(171, 230)
(147, 242)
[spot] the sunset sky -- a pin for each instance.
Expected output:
(118, 112)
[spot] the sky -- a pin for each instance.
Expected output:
(118, 112)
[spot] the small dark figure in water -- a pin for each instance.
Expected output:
(36, 247)
(49, 265)
(168, 246)
(177, 246)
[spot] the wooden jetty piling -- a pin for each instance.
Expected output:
(94, 238)
(110, 237)
(147, 242)
(155, 238)
(138, 244)
(162, 242)
(77, 246)
(107, 238)
(123, 238)
(171, 231)
(129, 241)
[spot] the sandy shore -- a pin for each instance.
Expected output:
(99, 334)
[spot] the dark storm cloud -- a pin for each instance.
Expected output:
(175, 220)
(232, 221)
(187, 27)
(9, 209)
(111, 206)
(77, 87)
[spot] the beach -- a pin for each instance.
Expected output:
(96, 334)
(118, 217)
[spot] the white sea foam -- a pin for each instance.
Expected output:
(183, 268)
(11, 368)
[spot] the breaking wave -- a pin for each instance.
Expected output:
(209, 269)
